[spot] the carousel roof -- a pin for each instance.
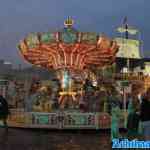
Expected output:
(68, 48)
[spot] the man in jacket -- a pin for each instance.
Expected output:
(3, 110)
(145, 114)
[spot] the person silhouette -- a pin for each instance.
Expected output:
(4, 111)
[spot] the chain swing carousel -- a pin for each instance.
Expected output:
(71, 54)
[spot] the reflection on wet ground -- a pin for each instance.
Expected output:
(25, 139)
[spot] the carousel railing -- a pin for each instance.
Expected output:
(61, 120)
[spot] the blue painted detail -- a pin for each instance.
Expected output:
(69, 35)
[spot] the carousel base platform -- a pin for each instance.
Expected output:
(60, 120)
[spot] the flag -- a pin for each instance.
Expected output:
(125, 20)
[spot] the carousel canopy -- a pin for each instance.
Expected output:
(68, 49)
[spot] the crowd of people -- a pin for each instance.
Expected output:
(138, 116)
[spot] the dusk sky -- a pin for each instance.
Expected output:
(20, 17)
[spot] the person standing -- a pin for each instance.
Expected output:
(4, 111)
(115, 118)
(145, 115)
(133, 117)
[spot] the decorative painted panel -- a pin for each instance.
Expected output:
(69, 35)
(32, 40)
(48, 37)
(89, 37)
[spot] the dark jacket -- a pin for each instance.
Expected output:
(145, 110)
(3, 108)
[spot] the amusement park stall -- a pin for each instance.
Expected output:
(78, 97)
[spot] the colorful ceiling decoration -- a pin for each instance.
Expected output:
(68, 49)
